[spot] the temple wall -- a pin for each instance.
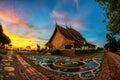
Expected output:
(59, 41)
(67, 42)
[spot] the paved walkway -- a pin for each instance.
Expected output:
(32, 73)
(110, 68)
(114, 65)
(116, 58)
(9, 68)
(104, 71)
(13, 67)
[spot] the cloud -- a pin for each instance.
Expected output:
(31, 34)
(21, 36)
(76, 3)
(57, 14)
(13, 25)
(23, 41)
(73, 23)
(12, 18)
(35, 38)
(64, 18)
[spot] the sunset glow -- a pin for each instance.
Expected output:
(19, 42)
(32, 22)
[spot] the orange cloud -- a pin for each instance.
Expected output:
(12, 18)
(20, 42)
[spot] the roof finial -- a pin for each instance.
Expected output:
(66, 26)
(70, 26)
(56, 23)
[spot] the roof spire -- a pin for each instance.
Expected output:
(66, 26)
(56, 23)
(70, 26)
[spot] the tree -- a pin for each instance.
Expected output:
(38, 48)
(4, 39)
(106, 46)
(118, 43)
(28, 47)
(111, 43)
(1, 30)
(112, 16)
(10, 45)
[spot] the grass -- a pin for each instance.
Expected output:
(3, 51)
(99, 57)
(27, 53)
(0, 58)
(87, 56)
(82, 56)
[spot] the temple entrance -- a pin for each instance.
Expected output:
(68, 46)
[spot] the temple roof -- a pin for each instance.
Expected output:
(70, 34)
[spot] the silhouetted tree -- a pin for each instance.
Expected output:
(3, 38)
(111, 43)
(10, 45)
(112, 14)
(38, 48)
(118, 43)
(28, 47)
(1, 30)
(106, 46)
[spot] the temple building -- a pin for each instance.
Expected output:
(67, 38)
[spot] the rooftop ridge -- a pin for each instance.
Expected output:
(71, 34)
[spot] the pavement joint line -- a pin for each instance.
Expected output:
(33, 72)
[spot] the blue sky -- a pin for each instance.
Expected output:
(36, 18)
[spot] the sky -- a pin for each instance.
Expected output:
(31, 22)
